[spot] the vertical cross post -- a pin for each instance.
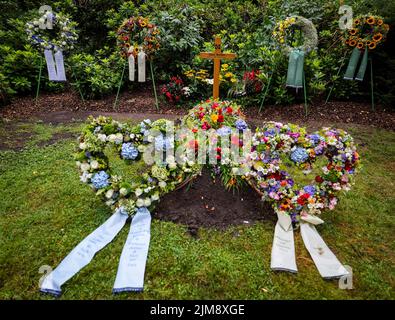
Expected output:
(217, 56)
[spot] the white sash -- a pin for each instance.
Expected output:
(283, 249)
(83, 253)
(141, 65)
(131, 62)
(131, 269)
(55, 73)
(326, 262)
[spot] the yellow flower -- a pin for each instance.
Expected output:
(360, 45)
(377, 37)
(372, 46)
(225, 65)
(370, 20)
(380, 22)
(214, 118)
(233, 80)
(228, 75)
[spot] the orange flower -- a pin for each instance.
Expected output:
(353, 43)
(380, 22)
(353, 32)
(360, 45)
(214, 117)
(357, 22)
(370, 20)
(377, 37)
(372, 46)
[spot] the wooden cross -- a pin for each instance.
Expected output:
(217, 55)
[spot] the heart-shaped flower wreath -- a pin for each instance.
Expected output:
(277, 146)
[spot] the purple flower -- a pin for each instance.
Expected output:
(309, 189)
(241, 124)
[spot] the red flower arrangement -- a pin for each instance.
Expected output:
(174, 90)
(252, 82)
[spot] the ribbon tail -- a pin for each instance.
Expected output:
(295, 69)
(326, 262)
(131, 269)
(283, 249)
(352, 64)
(362, 69)
(83, 253)
(131, 62)
(52, 74)
(141, 66)
(61, 75)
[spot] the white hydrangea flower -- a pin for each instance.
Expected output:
(85, 166)
(155, 197)
(94, 164)
(147, 202)
(162, 184)
(138, 192)
(139, 202)
(109, 194)
(102, 137)
(123, 191)
(83, 145)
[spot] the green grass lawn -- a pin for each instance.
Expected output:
(45, 211)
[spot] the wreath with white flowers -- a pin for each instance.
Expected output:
(277, 147)
(284, 32)
(138, 32)
(130, 142)
(62, 37)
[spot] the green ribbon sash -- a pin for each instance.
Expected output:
(353, 64)
(295, 69)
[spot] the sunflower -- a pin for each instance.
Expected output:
(353, 32)
(372, 46)
(380, 22)
(352, 43)
(357, 22)
(371, 20)
(360, 45)
(377, 37)
(347, 41)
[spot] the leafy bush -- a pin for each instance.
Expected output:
(97, 75)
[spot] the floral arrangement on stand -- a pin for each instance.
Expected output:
(175, 91)
(62, 37)
(276, 144)
(284, 33)
(367, 31)
(138, 32)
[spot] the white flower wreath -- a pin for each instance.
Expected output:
(62, 25)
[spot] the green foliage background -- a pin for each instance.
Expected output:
(186, 27)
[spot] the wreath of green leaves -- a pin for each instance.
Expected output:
(285, 30)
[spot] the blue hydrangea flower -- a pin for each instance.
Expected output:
(100, 180)
(129, 151)
(224, 131)
(241, 124)
(162, 143)
(309, 189)
(315, 138)
(299, 155)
